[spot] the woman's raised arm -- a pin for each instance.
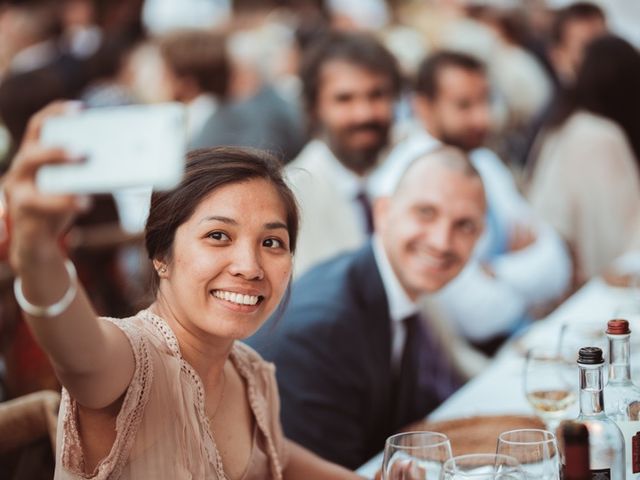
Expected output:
(93, 359)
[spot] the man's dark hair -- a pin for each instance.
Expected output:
(426, 82)
(359, 49)
(580, 11)
(198, 54)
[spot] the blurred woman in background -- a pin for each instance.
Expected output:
(586, 178)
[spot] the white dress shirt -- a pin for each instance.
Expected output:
(332, 219)
(348, 183)
(400, 305)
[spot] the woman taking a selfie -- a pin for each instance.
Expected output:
(168, 393)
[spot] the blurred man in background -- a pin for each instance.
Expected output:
(520, 264)
(47, 56)
(197, 72)
(572, 29)
(350, 83)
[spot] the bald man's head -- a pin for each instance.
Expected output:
(429, 225)
(446, 156)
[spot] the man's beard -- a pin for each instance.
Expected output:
(463, 143)
(363, 159)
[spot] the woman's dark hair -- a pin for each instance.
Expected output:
(208, 169)
(607, 84)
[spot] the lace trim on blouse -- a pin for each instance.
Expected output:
(126, 425)
(136, 397)
(240, 356)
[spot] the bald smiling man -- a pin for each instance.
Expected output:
(354, 363)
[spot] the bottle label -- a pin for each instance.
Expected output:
(601, 474)
(631, 433)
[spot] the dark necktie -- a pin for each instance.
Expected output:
(426, 377)
(365, 204)
(405, 380)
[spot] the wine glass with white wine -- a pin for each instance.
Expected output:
(550, 384)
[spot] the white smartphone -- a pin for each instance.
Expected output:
(131, 146)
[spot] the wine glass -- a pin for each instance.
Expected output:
(628, 307)
(576, 334)
(550, 384)
(415, 455)
(482, 466)
(536, 451)
(624, 273)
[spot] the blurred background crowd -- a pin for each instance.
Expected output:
(543, 95)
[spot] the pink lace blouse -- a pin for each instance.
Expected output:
(162, 429)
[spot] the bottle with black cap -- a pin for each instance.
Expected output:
(606, 444)
(621, 396)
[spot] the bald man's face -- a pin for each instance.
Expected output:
(430, 226)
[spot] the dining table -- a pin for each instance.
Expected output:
(499, 389)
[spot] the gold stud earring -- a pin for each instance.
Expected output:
(162, 270)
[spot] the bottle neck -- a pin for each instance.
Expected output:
(591, 397)
(619, 364)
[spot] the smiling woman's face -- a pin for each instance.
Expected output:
(230, 262)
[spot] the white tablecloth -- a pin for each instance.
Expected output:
(499, 389)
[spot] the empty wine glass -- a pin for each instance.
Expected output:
(579, 333)
(536, 451)
(550, 384)
(625, 273)
(482, 466)
(415, 456)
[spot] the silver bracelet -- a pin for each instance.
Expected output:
(51, 310)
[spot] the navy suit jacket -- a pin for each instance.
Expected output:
(332, 351)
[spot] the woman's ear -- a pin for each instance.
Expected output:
(161, 268)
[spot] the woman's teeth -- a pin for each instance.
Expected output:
(236, 298)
